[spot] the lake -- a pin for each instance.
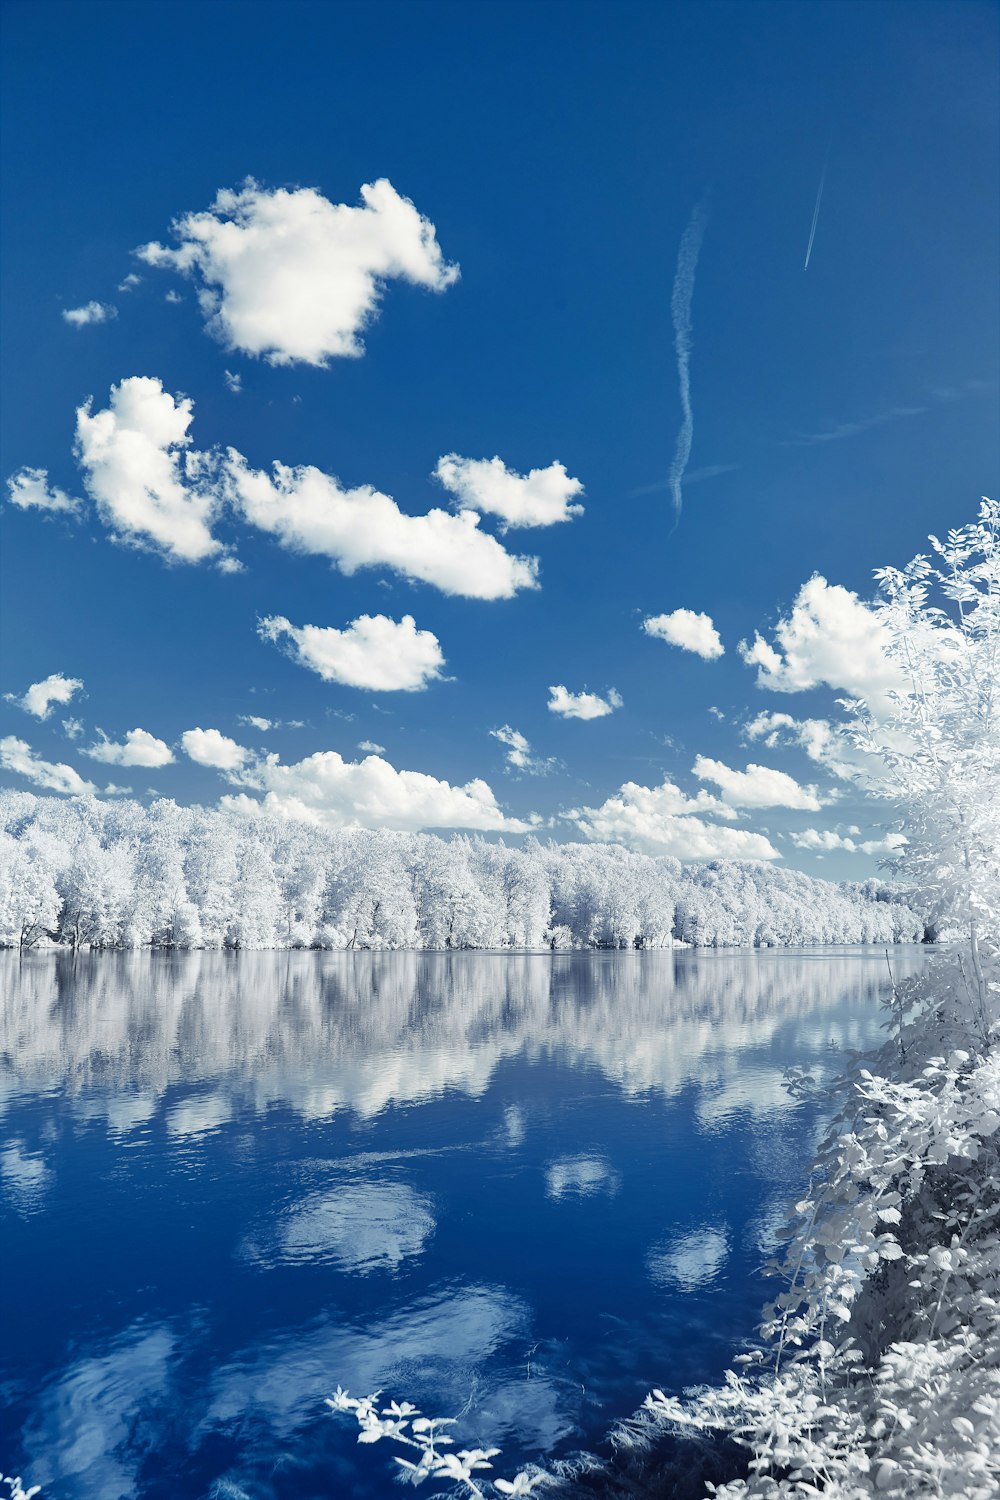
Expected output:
(524, 1188)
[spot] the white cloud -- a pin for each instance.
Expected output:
(684, 628)
(173, 298)
(17, 755)
(823, 841)
(373, 652)
(211, 748)
(256, 722)
(234, 382)
(539, 498)
(295, 278)
(823, 742)
(582, 705)
(370, 747)
(152, 489)
(661, 820)
(140, 748)
(757, 786)
(830, 638)
(29, 489)
(72, 728)
(39, 698)
(309, 511)
(327, 790)
(91, 312)
(519, 756)
(129, 283)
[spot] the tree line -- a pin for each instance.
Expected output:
(99, 874)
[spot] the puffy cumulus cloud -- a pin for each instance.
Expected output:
(822, 841)
(29, 489)
(823, 742)
(370, 747)
(581, 705)
(255, 721)
(662, 820)
(91, 312)
(331, 792)
(830, 638)
(40, 696)
(295, 278)
(309, 511)
(209, 747)
(139, 748)
(519, 757)
(539, 498)
(151, 488)
(757, 786)
(684, 628)
(17, 755)
(373, 652)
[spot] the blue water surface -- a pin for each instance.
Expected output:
(520, 1188)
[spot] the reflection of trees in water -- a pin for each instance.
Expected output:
(324, 1031)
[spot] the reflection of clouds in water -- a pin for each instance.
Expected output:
(515, 1126)
(429, 1350)
(757, 1091)
(580, 1177)
(128, 1111)
(690, 1261)
(26, 1177)
(534, 1411)
(323, 1032)
(198, 1115)
(768, 1232)
(92, 1428)
(362, 1226)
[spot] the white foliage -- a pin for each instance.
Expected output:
(120, 875)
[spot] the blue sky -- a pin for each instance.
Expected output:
(559, 151)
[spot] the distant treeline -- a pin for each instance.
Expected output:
(118, 875)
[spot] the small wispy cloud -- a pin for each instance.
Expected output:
(815, 218)
(853, 429)
(519, 756)
(91, 312)
(691, 476)
(680, 307)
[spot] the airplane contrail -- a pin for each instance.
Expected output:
(680, 307)
(819, 200)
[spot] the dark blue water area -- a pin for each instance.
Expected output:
(522, 1189)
